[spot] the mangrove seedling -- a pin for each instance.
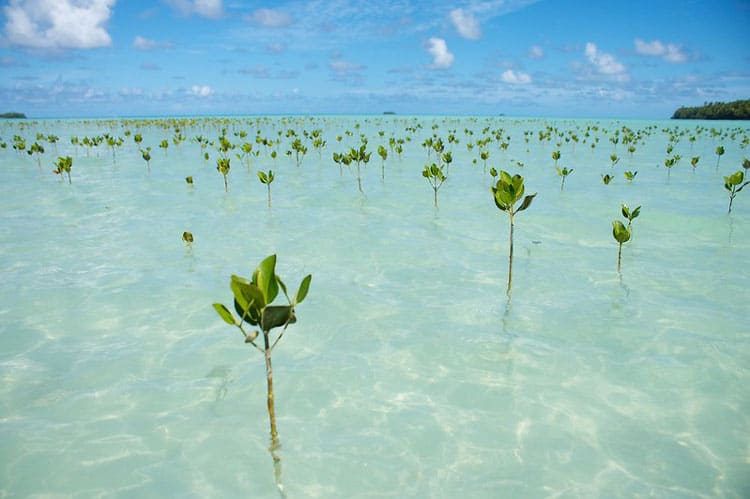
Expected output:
(719, 154)
(734, 184)
(484, 156)
(563, 172)
(383, 153)
(694, 162)
(164, 144)
(146, 154)
(556, 157)
(64, 164)
(621, 235)
(187, 237)
(359, 156)
(447, 158)
(607, 179)
(36, 148)
(629, 176)
(267, 179)
(253, 302)
(506, 193)
(613, 159)
(189, 180)
(435, 176)
(222, 166)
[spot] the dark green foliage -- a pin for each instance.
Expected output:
(735, 110)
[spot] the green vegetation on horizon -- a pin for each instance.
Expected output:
(735, 110)
(13, 116)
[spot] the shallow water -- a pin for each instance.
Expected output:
(409, 373)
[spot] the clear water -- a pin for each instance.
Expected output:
(409, 373)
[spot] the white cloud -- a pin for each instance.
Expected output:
(201, 91)
(271, 18)
(536, 52)
(442, 58)
(605, 64)
(58, 24)
(515, 77)
(142, 43)
(466, 24)
(669, 52)
(207, 8)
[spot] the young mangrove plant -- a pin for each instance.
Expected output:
(694, 162)
(359, 156)
(146, 154)
(253, 302)
(383, 153)
(267, 179)
(630, 176)
(506, 193)
(563, 172)
(187, 238)
(621, 235)
(64, 164)
(613, 159)
(734, 184)
(719, 154)
(607, 179)
(435, 176)
(556, 157)
(189, 180)
(223, 166)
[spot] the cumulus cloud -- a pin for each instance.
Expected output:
(58, 24)
(669, 52)
(466, 24)
(536, 52)
(271, 18)
(515, 77)
(207, 8)
(201, 91)
(442, 58)
(604, 63)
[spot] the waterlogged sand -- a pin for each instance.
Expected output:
(409, 374)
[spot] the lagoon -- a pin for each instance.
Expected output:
(410, 373)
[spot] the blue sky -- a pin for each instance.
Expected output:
(620, 59)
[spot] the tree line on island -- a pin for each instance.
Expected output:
(736, 110)
(12, 116)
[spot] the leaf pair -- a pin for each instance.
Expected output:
(266, 178)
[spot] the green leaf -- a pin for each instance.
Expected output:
(620, 232)
(304, 287)
(275, 316)
(225, 314)
(263, 177)
(265, 279)
(526, 202)
(248, 300)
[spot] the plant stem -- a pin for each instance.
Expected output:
(510, 257)
(269, 383)
(435, 189)
(226, 184)
(268, 185)
(619, 257)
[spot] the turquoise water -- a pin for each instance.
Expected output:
(409, 372)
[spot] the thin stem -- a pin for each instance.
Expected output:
(226, 184)
(510, 257)
(619, 257)
(269, 194)
(269, 383)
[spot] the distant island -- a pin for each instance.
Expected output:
(389, 112)
(13, 116)
(737, 110)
